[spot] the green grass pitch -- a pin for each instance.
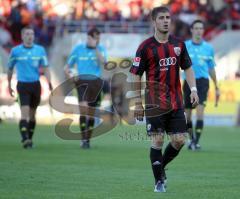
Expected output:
(116, 167)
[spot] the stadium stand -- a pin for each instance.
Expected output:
(110, 15)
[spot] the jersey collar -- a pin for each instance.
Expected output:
(197, 44)
(28, 47)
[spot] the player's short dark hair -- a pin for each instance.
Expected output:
(197, 21)
(26, 28)
(157, 10)
(93, 31)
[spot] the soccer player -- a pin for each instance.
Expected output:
(202, 56)
(161, 57)
(89, 58)
(28, 58)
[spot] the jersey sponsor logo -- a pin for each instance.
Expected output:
(168, 61)
(177, 50)
(136, 61)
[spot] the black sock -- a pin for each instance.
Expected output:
(31, 127)
(83, 125)
(23, 127)
(91, 122)
(169, 154)
(156, 160)
(198, 130)
(190, 130)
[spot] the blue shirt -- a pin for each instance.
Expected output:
(86, 60)
(27, 62)
(202, 56)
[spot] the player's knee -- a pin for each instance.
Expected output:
(157, 141)
(178, 141)
(157, 144)
(24, 116)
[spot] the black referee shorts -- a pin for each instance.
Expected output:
(29, 93)
(173, 122)
(202, 89)
(89, 91)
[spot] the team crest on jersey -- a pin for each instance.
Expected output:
(136, 61)
(177, 50)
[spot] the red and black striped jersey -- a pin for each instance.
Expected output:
(162, 62)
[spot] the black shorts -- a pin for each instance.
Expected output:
(89, 91)
(29, 93)
(173, 122)
(202, 89)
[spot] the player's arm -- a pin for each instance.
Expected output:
(189, 73)
(212, 74)
(100, 53)
(190, 78)
(11, 64)
(137, 70)
(9, 77)
(67, 71)
(46, 71)
(71, 61)
(136, 87)
(47, 74)
(100, 57)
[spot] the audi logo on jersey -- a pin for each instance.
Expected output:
(168, 61)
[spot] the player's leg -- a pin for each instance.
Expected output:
(94, 101)
(157, 160)
(83, 120)
(202, 86)
(23, 125)
(31, 125)
(188, 112)
(173, 148)
(157, 139)
(24, 101)
(190, 131)
(177, 130)
(199, 124)
(34, 103)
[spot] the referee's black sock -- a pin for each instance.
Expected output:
(156, 160)
(169, 154)
(23, 127)
(91, 122)
(31, 128)
(198, 130)
(190, 130)
(83, 125)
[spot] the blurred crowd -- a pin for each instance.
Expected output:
(43, 15)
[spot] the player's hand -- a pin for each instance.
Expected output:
(67, 73)
(139, 111)
(11, 91)
(92, 42)
(217, 96)
(194, 98)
